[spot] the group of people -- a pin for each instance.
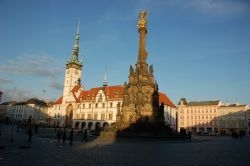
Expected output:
(63, 134)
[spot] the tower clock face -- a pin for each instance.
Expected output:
(76, 72)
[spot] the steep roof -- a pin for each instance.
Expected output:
(111, 91)
(20, 103)
(163, 98)
(59, 100)
(76, 88)
(203, 103)
(8, 103)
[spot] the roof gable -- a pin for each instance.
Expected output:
(163, 98)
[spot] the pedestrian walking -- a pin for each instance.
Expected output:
(64, 134)
(71, 136)
(59, 133)
(85, 136)
(29, 132)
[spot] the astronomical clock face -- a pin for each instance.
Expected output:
(76, 72)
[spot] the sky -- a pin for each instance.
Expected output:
(200, 49)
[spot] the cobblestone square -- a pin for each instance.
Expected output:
(46, 151)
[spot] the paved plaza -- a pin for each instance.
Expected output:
(46, 151)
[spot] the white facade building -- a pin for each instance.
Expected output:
(21, 111)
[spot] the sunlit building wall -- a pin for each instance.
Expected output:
(198, 116)
(232, 118)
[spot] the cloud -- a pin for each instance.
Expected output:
(5, 81)
(35, 65)
(16, 94)
(56, 85)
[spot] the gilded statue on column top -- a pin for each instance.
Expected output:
(142, 22)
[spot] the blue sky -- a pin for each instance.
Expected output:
(200, 49)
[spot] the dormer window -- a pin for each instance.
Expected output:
(116, 93)
(100, 98)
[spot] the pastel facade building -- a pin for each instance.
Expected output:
(198, 116)
(232, 118)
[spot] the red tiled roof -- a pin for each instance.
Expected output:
(163, 98)
(76, 88)
(59, 100)
(111, 91)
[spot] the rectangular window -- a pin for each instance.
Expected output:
(89, 116)
(96, 105)
(83, 105)
(102, 116)
(83, 116)
(89, 105)
(95, 116)
(103, 105)
(111, 105)
(110, 116)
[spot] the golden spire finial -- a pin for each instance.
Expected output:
(142, 22)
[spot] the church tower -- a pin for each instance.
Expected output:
(140, 95)
(73, 72)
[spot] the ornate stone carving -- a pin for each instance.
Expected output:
(140, 98)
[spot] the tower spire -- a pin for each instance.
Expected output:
(76, 46)
(105, 82)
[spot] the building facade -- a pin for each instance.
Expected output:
(198, 116)
(170, 111)
(21, 111)
(248, 121)
(4, 108)
(232, 118)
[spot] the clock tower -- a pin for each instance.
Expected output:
(73, 72)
